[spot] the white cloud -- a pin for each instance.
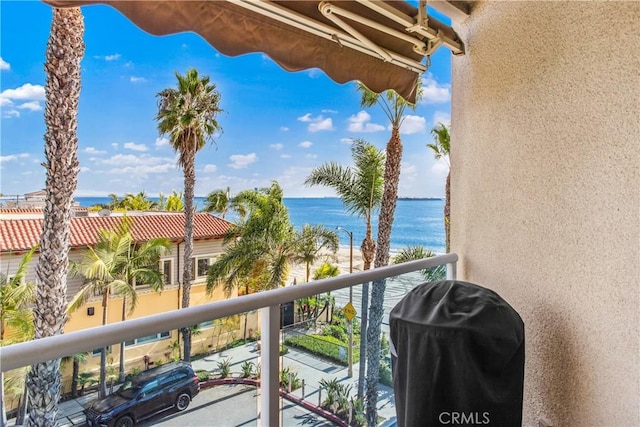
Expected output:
(4, 65)
(440, 168)
(162, 142)
(305, 118)
(285, 156)
(31, 106)
(93, 150)
(311, 156)
(12, 157)
(324, 124)
(26, 92)
(314, 73)
(84, 169)
(413, 124)
(114, 145)
(134, 79)
(7, 114)
(139, 165)
(360, 123)
(316, 124)
(409, 171)
(277, 146)
(241, 161)
(434, 92)
(284, 128)
(210, 168)
(328, 111)
(112, 57)
(305, 144)
(441, 117)
(135, 147)
(347, 140)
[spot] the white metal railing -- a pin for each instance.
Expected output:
(56, 347)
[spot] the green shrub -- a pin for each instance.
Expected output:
(224, 366)
(247, 368)
(287, 376)
(322, 345)
(202, 375)
(385, 373)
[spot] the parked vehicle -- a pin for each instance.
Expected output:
(172, 385)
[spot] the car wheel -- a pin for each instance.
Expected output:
(182, 401)
(124, 422)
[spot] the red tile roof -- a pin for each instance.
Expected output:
(23, 234)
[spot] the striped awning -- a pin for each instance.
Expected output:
(383, 44)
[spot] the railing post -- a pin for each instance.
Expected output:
(269, 415)
(451, 271)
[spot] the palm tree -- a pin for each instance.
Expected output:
(65, 50)
(114, 266)
(259, 249)
(174, 202)
(139, 266)
(394, 107)
(413, 253)
(218, 202)
(266, 246)
(16, 297)
(440, 150)
(311, 243)
(188, 115)
(360, 189)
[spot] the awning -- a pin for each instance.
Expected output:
(381, 43)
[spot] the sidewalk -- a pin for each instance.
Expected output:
(308, 367)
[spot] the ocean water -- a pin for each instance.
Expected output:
(416, 221)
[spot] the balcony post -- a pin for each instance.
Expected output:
(269, 412)
(451, 271)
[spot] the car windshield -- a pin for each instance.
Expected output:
(129, 390)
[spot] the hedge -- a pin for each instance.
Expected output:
(322, 345)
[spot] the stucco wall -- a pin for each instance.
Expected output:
(545, 195)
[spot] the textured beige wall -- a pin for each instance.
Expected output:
(545, 195)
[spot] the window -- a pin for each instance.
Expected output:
(200, 266)
(166, 267)
(148, 339)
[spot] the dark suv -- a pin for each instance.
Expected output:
(168, 386)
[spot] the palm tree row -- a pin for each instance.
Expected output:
(141, 202)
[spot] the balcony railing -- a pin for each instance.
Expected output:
(37, 351)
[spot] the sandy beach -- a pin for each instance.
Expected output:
(298, 270)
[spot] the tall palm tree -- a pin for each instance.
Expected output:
(440, 150)
(138, 202)
(188, 115)
(16, 297)
(394, 107)
(360, 189)
(65, 50)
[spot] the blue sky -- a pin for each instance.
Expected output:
(276, 125)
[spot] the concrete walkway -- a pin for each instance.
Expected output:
(308, 367)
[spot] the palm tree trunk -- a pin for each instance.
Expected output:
(447, 212)
(74, 377)
(189, 184)
(368, 253)
(376, 311)
(65, 50)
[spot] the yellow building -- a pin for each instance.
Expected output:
(20, 231)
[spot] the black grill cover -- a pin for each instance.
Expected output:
(457, 357)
